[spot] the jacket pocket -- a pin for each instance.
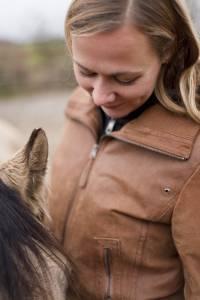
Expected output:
(108, 268)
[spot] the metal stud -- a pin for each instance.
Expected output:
(167, 190)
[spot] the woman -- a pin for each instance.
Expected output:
(125, 180)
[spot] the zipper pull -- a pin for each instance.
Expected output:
(110, 126)
(94, 151)
(86, 171)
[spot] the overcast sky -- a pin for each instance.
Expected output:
(22, 20)
(25, 19)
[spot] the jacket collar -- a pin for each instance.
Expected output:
(81, 108)
(156, 128)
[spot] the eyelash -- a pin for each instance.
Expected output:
(128, 82)
(117, 80)
(87, 74)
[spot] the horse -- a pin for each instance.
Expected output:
(32, 265)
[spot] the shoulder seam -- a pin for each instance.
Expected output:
(188, 180)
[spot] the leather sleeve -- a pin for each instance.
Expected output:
(186, 234)
(68, 161)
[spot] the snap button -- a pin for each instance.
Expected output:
(167, 190)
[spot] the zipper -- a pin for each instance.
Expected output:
(85, 174)
(110, 126)
(107, 261)
(94, 151)
(76, 192)
(108, 133)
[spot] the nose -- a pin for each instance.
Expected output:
(102, 93)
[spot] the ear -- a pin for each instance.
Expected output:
(26, 170)
(36, 152)
(36, 156)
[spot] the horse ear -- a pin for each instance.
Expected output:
(36, 151)
(26, 170)
(36, 156)
(29, 161)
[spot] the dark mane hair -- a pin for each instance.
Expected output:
(24, 245)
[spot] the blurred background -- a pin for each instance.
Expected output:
(35, 69)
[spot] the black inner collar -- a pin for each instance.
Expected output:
(131, 116)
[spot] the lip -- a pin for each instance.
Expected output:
(112, 106)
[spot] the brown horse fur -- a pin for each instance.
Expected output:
(25, 172)
(31, 261)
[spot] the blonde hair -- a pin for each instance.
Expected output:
(171, 31)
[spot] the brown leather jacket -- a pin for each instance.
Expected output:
(127, 207)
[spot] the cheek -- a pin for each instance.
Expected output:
(135, 91)
(147, 86)
(138, 92)
(148, 82)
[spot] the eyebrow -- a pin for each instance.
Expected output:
(137, 73)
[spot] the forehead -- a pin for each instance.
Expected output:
(124, 47)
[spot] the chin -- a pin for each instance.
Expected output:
(115, 114)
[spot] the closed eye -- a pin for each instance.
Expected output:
(126, 81)
(120, 79)
(87, 74)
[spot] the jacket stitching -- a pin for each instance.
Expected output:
(187, 181)
(177, 139)
(169, 205)
(161, 148)
(159, 133)
(139, 255)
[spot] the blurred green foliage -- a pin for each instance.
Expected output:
(34, 66)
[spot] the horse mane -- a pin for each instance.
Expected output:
(25, 245)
